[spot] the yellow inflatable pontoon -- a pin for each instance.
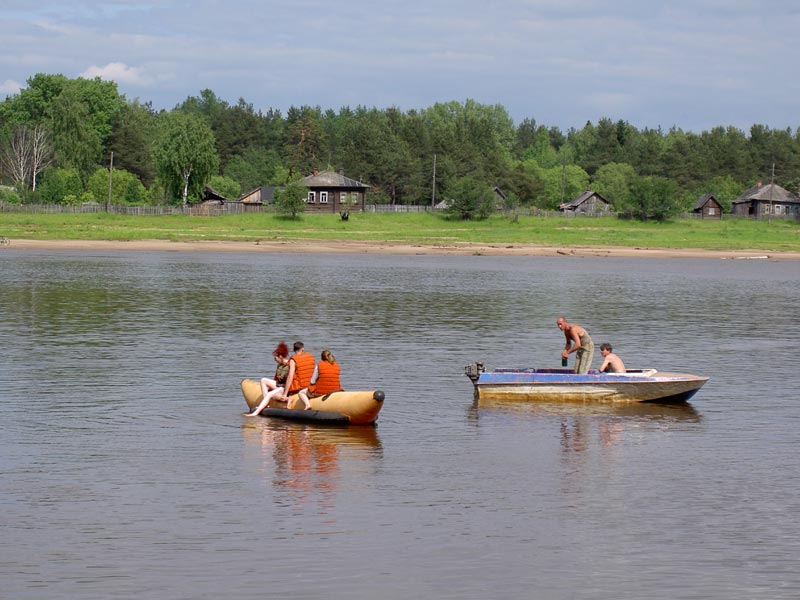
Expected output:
(356, 407)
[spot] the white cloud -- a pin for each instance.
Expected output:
(9, 87)
(119, 72)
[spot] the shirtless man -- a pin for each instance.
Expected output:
(579, 342)
(612, 362)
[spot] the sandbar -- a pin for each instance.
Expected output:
(392, 247)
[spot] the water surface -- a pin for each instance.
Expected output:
(127, 470)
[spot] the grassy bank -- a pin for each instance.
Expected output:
(418, 228)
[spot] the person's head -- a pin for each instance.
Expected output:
(281, 352)
(327, 355)
(605, 348)
(298, 346)
(561, 322)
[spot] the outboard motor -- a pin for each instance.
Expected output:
(474, 371)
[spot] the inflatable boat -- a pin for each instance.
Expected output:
(353, 407)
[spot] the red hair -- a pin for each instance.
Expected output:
(281, 350)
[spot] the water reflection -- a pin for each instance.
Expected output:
(640, 410)
(303, 461)
(577, 420)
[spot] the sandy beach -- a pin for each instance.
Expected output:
(388, 247)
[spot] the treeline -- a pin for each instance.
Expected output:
(57, 137)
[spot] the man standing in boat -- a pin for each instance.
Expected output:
(579, 342)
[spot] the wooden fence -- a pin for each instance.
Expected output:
(234, 208)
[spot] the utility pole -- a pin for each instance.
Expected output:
(110, 175)
(433, 185)
(771, 187)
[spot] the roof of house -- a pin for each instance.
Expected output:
(703, 200)
(212, 194)
(576, 202)
(331, 179)
(769, 192)
(267, 194)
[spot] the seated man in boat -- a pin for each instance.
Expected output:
(611, 362)
(301, 367)
(579, 342)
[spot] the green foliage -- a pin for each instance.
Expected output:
(256, 167)
(613, 182)
(9, 195)
(469, 199)
(306, 143)
(57, 184)
(77, 144)
(291, 199)
(185, 154)
(562, 184)
(132, 141)
(225, 186)
(125, 187)
(541, 151)
(79, 112)
(390, 150)
(524, 183)
(653, 198)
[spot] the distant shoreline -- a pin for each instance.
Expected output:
(388, 247)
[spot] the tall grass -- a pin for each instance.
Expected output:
(420, 228)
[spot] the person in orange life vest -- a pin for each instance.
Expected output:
(274, 388)
(326, 375)
(301, 367)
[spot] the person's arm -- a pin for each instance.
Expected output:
(606, 363)
(289, 378)
(315, 375)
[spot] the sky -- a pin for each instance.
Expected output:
(691, 64)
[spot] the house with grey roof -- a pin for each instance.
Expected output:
(333, 192)
(767, 200)
(708, 207)
(588, 203)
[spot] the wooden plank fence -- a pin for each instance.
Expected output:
(239, 208)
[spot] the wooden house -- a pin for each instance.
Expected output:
(333, 192)
(588, 203)
(708, 207)
(260, 196)
(766, 200)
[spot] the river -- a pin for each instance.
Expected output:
(128, 471)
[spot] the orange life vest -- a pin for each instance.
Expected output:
(303, 370)
(327, 378)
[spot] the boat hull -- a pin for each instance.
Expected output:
(352, 407)
(551, 385)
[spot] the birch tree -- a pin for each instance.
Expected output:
(185, 154)
(26, 152)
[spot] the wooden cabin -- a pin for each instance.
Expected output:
(256, 198)
(333, 192)
(762, 201)
(708, 207)
(588, 203)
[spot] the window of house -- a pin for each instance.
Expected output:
(778, 209)
(712, 211)
(323, 197)
(312, 196)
